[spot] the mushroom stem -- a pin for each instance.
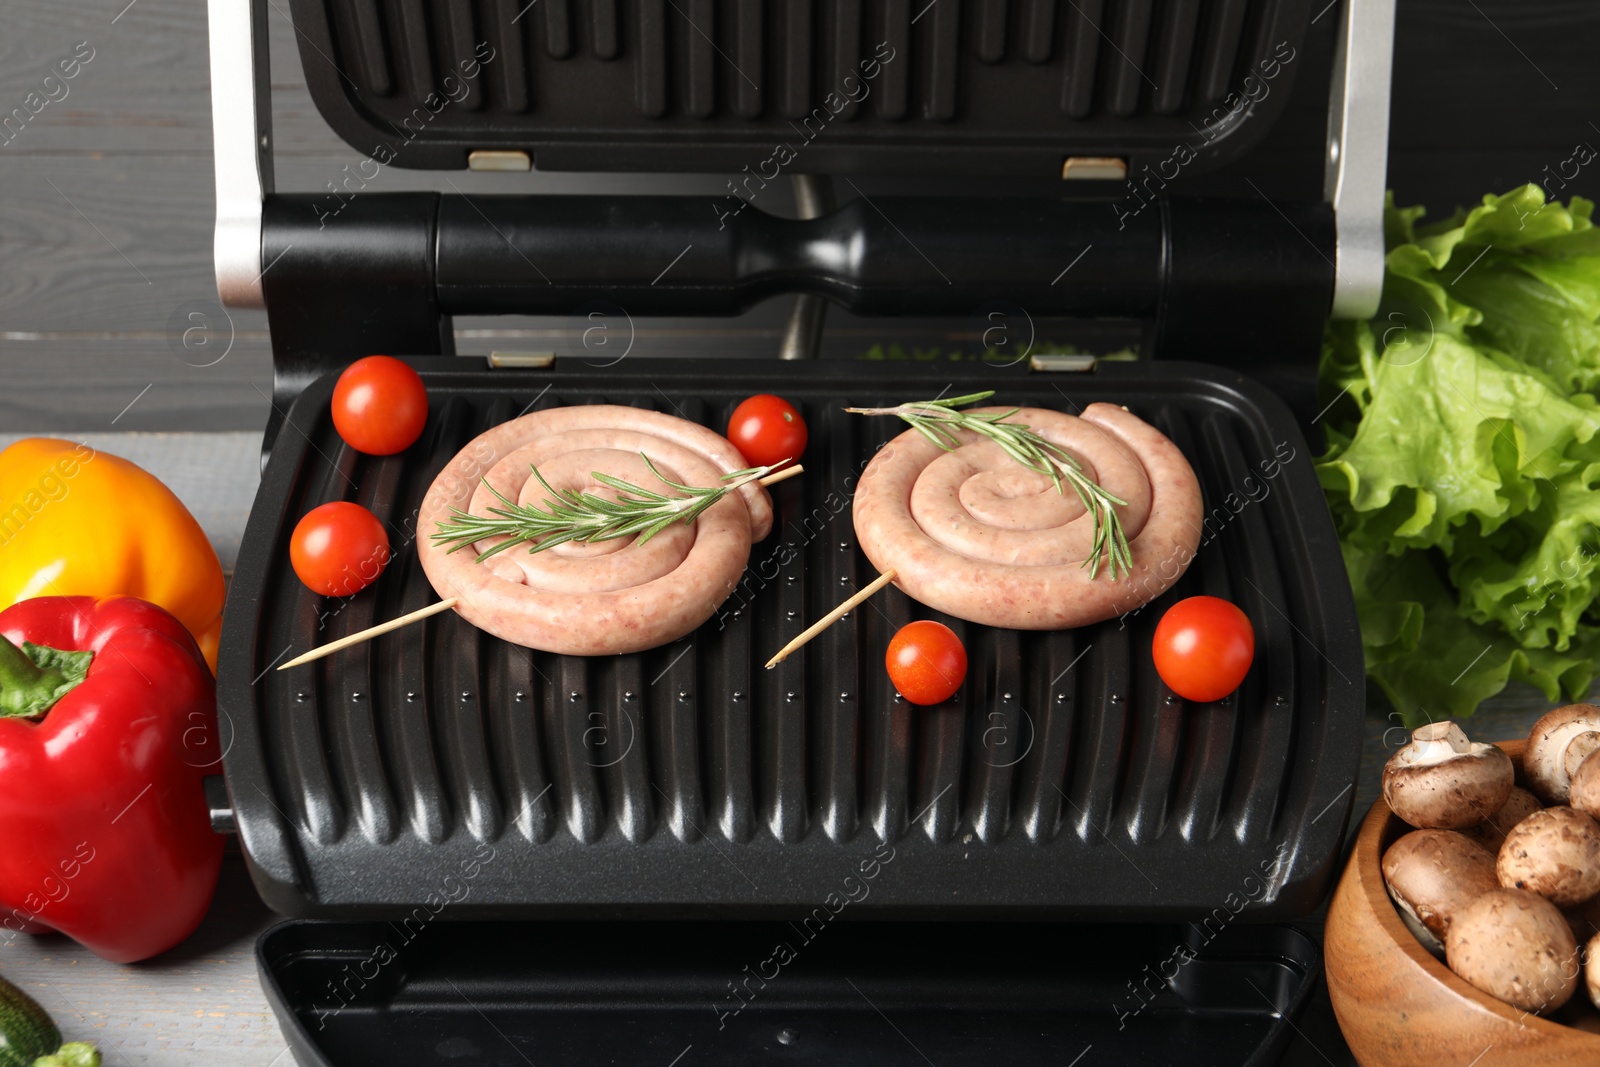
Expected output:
(1579, 749)
(1438, 741)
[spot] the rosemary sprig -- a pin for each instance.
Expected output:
(571, 515)
(937, 420)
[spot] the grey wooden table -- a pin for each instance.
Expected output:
(200, 1004)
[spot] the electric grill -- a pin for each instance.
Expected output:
(438, 773)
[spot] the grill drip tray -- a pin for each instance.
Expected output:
(868, 993)
(1065, 782)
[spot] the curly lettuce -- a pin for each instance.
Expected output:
(1463, 462)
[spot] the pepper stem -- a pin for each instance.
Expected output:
(34, 677)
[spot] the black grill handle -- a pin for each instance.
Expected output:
(1239, 282)
(889, 256)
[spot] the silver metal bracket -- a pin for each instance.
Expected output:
(802, 335)
(241, 137)
(1358, 154)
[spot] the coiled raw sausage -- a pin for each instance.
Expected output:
(977, 535)
(606, 597)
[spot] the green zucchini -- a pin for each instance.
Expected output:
(26, 1029)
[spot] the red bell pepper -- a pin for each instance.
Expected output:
(109, 724)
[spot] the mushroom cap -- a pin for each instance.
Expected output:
(1491, 832)
(1555, 853)
(1584, 787)
(1591, 969)
(1442, 781)
(1544, 760)
(1431, 875)
(1514, 945)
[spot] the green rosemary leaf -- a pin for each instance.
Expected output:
(572, 515)
(938, 420)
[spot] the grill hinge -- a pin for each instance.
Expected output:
(522, 360)
(497, 160)
(1055, 363)
(1357, 161)
(219, 804)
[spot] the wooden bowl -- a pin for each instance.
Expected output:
(1398, 1005)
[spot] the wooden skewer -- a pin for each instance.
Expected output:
(778, 476)
(449, 602)
(372, 631)
(832, 617)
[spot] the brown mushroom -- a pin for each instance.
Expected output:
(1591, 969)
(1545, 759)
(1442, 781)
(1491, 832)
(1584, 789)
(1514, 945)
(1555, 853)
(1432, 874)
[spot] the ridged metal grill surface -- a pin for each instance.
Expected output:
(579, 81)
(1063, 779)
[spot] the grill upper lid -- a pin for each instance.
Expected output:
(989, 87)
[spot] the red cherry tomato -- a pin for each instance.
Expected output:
(379, 405)
(339, 549)
(1203, 648)
(927, 662)
(768, 430)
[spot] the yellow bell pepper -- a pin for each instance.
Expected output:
(77, 522)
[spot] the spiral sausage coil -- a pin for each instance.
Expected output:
(976, 534)
(605, 597)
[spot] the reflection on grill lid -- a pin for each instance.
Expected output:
(1064, 780)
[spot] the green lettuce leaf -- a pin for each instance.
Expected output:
(1536, 576)
(1452, 432)
(1463, 462)
(1433, 664)
(1532, 320)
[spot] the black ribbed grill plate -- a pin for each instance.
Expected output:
(1064, 780)
(985, 87)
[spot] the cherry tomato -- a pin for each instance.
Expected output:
(927, 662)
(1203, 648)
(339, 549)
(768, 430)
(379, 405)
